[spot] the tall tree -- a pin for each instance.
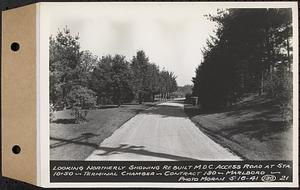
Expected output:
(65, 57)
(111, 79)
(249, 48)
(121, 85)
(152, 80)
(139, 66)
(100, 81)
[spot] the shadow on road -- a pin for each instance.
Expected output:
(166, 111)
(140, 150)
(172, 109)
(123, 148)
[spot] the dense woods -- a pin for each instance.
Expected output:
(79, 79)
(250, 52)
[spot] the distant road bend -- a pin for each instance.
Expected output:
(161, 133)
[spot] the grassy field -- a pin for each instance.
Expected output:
(253, 129)
(70, 141)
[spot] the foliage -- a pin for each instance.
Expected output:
(121, 86)
(188, 98)
(249, 44)
(79, 114)
(279, 86)
(81, 97)
(186, 89)
(168, 83)
(64, 64)
(69, 72)
(79, 80)
(149, 80)
(112, 80)
(51, 113)
(118, 81)
(88, 62)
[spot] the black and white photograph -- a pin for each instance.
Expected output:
(150, 94)
(208, 84)
(161, 82)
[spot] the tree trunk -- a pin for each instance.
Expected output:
(288, 53)
(140, 98)
(261, 88)
(271, 71)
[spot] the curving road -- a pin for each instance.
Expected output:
(161, 133)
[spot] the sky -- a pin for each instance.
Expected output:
(172, 35)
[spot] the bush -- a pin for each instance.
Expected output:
(280, 87)
(104, 100)
(79, 114)
(188, 97)
(51, 115)
(81, 98)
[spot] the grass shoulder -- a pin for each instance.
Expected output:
(253, 128)
(76, 141)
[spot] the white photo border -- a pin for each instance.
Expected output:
(43, 32)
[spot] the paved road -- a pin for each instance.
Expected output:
(161, 133)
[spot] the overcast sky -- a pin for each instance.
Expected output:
(172, 35)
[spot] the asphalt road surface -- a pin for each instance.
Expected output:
(161, 133)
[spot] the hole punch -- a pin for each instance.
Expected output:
(15, 46)
(16, 149)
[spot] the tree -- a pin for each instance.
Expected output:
(249, 47)
(88, 62)
(183, 90)
(81, 99)
(65, 57)
(121, 86)
(111, 79)
(100, 81)
(139, 67)
(149, 80)
(108, 80)
(69, 70)
(167, 83)
(152, 81)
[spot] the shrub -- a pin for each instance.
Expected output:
(188, 97)
(280, 87)
(79, 114)
(51, 115)
(81, 99)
